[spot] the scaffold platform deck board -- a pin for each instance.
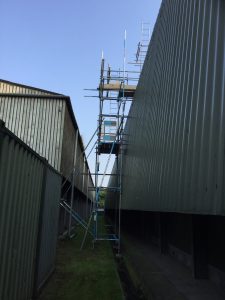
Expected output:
(126, 94)
(106, 148)
(127, 90)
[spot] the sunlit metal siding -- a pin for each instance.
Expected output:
(174, 160)
(44, 121)
(29, 199)
(49, 227)
(15, 88)
(38, 121)
(21, 176)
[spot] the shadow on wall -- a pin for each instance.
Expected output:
(197, 241)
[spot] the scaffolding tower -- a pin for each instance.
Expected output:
(116, 89)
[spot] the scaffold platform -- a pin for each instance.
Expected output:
(106, 148)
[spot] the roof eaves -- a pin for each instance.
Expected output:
(28, 87)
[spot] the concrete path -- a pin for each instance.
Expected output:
(163, 277)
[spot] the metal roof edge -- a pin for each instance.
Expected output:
(18, 95)
(28, 86)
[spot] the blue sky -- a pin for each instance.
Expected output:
(56, 45)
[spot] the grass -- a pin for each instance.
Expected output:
(87, 274)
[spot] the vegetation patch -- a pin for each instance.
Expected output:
(83, 274)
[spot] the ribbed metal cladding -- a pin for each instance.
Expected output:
(44, 121)
(38, 122)
(10, 87)
(48, 227)
(174, 160)
(79, 168)
(21, 175)
(25, 195)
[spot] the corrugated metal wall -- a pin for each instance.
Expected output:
(43, 121)
(174, 160)
(10, 87)
(38, 122)
(91, 193)
(112, 196)
(68, 149)
(78, 167)
(68, 144)
(22, 187)
(48, 223)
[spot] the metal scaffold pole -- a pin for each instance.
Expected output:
(114, 92)
(116, 89)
